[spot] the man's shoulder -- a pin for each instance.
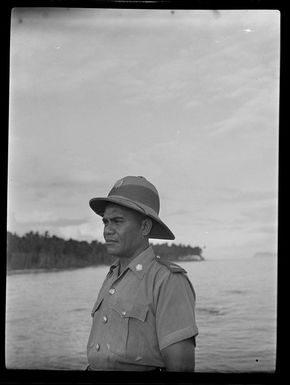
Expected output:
(170, 266)
(175, 273)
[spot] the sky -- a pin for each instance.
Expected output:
(188, 99)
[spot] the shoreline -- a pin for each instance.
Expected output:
(58, 269)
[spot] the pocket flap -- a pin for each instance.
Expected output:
(138, 311)
(130, 310)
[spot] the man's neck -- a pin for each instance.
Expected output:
(124, 262)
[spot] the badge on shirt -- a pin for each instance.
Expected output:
(139, 267)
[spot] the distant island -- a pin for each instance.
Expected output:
(43, 251)
(264, 254)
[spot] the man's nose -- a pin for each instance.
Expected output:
(108, 229)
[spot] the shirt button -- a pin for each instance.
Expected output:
(112, 291)
(105, 319)
(123, 313)
(98, 347)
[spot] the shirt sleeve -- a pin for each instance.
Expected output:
(175, 310)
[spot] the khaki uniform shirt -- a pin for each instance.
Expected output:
(150, 306)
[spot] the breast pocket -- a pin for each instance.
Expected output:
(128, 328)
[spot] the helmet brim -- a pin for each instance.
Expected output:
(159, 229)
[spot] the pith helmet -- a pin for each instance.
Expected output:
(136, 193)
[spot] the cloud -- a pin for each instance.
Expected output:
(242, 247)
(245, 196)
(233, 82)
(49, 219)
(52, 203)
(85, 231)
(268, 229)
(266, 214)
(257, 114)
(186, 99)
(207, 168)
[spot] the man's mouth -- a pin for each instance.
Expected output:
(110, 241)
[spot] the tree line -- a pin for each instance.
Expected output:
(45, 251)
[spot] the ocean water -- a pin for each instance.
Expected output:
(48, 316)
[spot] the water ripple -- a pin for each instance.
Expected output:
(211, 310)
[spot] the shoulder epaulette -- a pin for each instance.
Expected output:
(173, 267)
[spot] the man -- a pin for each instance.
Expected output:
(144, 317)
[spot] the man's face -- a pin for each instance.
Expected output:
(122, 231)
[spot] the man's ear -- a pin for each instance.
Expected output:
(146, 226)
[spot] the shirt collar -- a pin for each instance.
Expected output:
(138, 265)
(115, 264)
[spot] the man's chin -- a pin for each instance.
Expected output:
(112, 248)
